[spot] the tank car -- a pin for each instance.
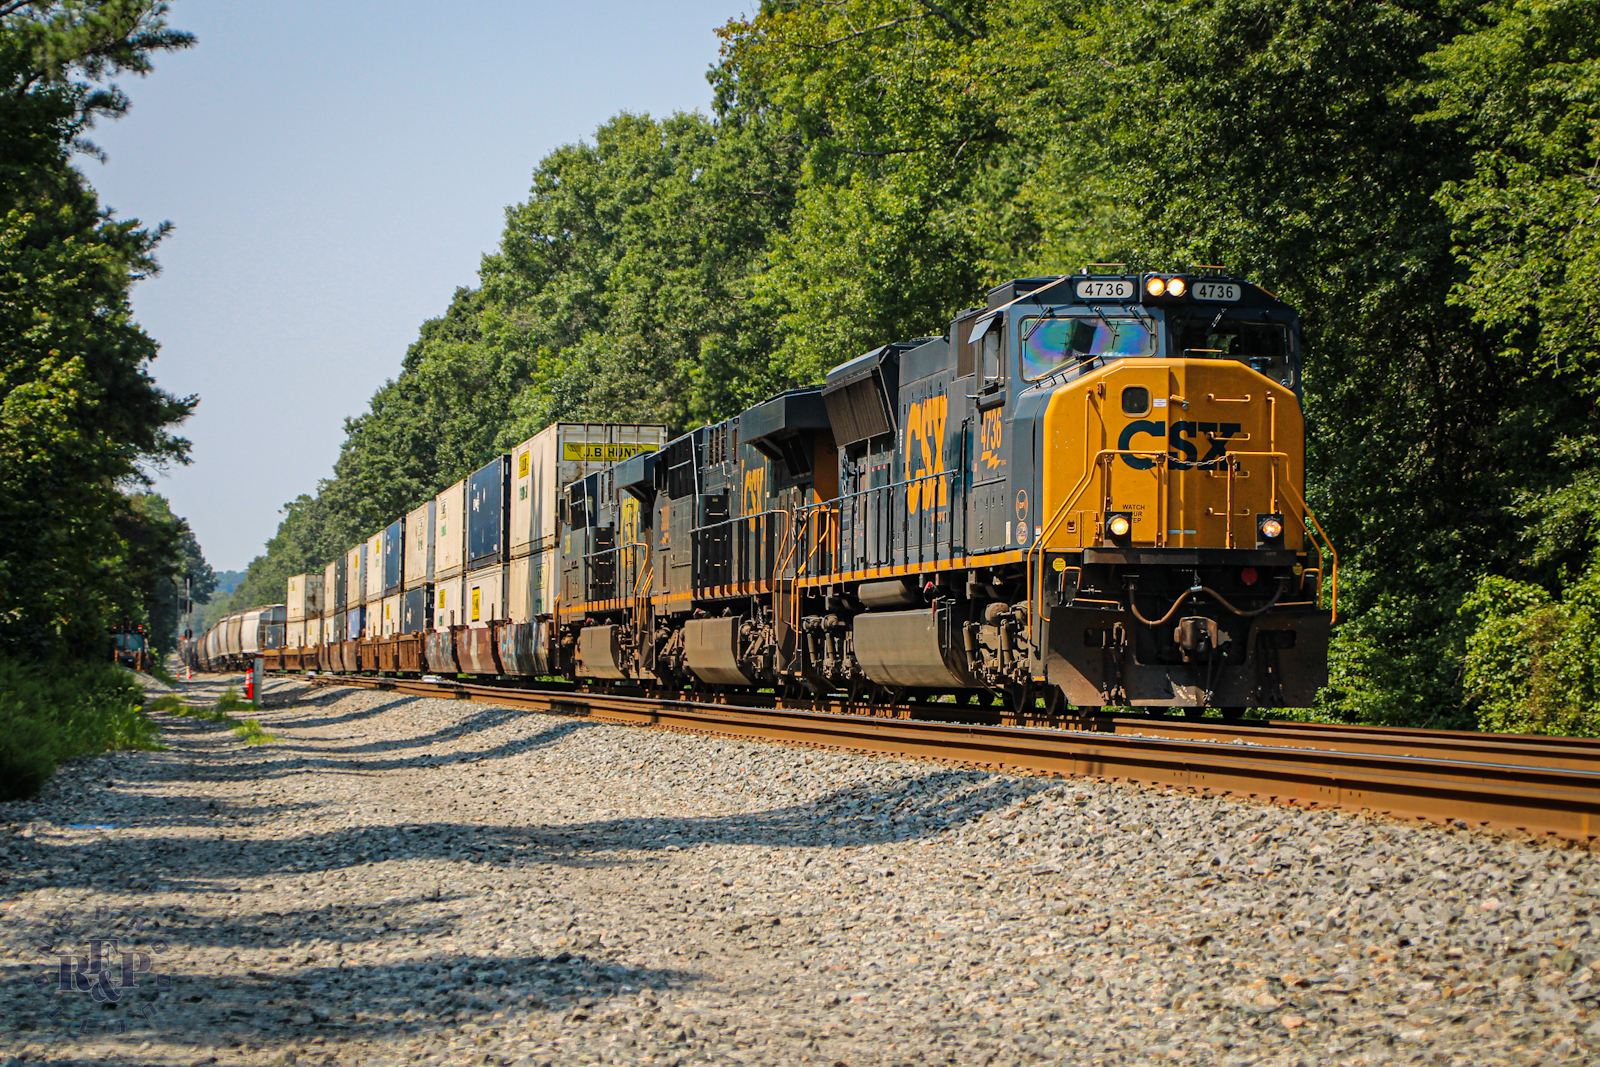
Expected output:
(1089, 492)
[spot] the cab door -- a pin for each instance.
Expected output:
(990, 525)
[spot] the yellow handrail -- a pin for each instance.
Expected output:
(1320, 542)
(1037, 548)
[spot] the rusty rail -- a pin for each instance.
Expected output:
(1487, 790)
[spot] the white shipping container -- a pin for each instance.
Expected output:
(374, 578)
(294, 634)
(314, 632)
(330, 578)
(305, 597)
(531, 585)
(355, 570)
(447, 603)
(389, 622)
(450, 531)
(419, 546)
(557, 456)
(296, 599)
(484, 596)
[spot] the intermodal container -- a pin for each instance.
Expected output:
(419, 546)
(487, 515)
(555, 457)
(450, 531)
(374, 580)
(394, 556)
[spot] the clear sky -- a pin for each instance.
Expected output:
(333, 171)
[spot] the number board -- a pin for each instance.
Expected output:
(1216, 291)
(1105, 289)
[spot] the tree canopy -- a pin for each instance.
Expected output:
(82, 421)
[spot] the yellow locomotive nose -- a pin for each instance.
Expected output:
(1192, 451)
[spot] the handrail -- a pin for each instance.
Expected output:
(923, 485)
(1034, 561)
(741, 528)
(1333, 578)
(1036, 549)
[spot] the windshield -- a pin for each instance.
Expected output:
(1221, 337)
(1054, 342)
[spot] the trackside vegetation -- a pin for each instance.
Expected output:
(50, 712)
(85, 548)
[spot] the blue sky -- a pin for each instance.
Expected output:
(333, 171)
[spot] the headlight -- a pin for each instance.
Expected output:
(1271, 529)
(1155, 286)
(1177, 287)
(1119, 526)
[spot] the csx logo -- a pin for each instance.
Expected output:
(755, 490)
(1183, 453)
(925, 421)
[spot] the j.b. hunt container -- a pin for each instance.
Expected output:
(439, 640)
(555, 457)
(333, 587)
(389, 620)
(447, 607)
(541, 468)
(483, 596)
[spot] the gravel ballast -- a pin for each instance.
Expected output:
(408, 880)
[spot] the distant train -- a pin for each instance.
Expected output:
(1089, 492)
(234, 642)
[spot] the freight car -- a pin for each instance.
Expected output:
(234, 642)
(1088, 492)
(465, 582)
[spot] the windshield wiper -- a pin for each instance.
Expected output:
(1116, 334)
(1049, 313)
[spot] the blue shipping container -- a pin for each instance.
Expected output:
(394, 540)
(487, 514)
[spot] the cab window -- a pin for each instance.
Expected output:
(1263, 345)
(1051, 343)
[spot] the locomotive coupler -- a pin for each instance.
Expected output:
(1198, 637)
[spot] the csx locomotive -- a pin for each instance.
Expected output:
(1088, 493)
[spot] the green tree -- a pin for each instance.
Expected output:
(80, 415)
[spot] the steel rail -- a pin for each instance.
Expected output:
(1558, 802)
(1571, 753)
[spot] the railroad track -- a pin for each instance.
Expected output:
(1538, 785)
